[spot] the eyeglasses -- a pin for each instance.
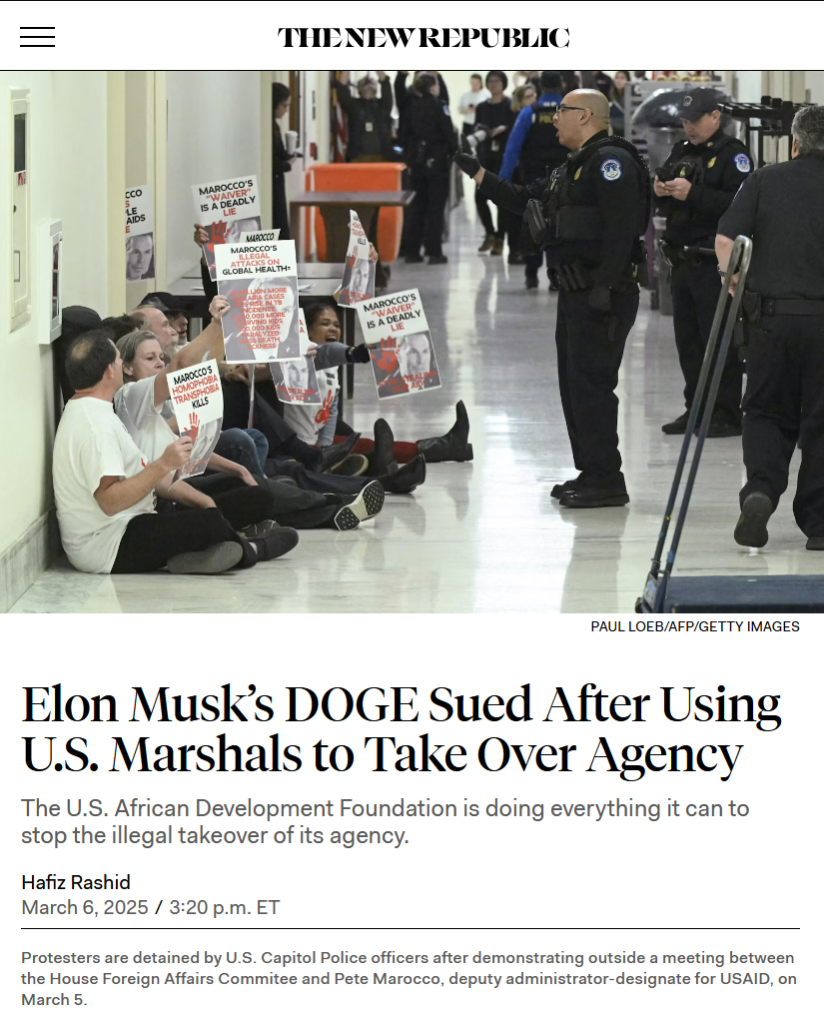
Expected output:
(560, 109)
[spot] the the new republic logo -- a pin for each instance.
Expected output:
(435, 38)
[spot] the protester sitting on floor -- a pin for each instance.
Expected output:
(324, 427)
(106, 489)
(285, 447)
(247, 448)
(140, 405)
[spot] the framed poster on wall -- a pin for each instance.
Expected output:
(20, 255)
(54, 267)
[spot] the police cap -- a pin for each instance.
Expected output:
(698, 102)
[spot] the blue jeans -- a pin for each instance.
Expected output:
(248, 448)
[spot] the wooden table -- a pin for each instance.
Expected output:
(334, 207)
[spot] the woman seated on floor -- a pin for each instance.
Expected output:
(324, 427)
(138, 408)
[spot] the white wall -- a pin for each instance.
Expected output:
(214, 132)
(815, 83)
(68, 181)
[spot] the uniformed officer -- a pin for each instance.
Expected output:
(695, 187)
(781, 209)
(428, 139)
(594, 210)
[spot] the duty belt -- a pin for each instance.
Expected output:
(694, 255)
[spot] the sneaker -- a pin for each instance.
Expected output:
(677, 427)
(751, 531)
(352, 465)
(362, 508)
(488, 242)
(269, 540)
(589, 496)
(211, 562)
(497, 247)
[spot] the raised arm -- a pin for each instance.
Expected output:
(209, 344)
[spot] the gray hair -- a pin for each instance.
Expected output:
(808, 130)
(128, 346)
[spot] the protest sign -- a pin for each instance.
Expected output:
(260, 236)
(260, 281)
(297, 381)
(227, 209)
(405, 361)
(197, 397)
(140, 244)
(358, 283)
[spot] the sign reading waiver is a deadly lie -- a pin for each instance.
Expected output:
(197, 397)
(403, 356)
(227, 209)
(261, 283)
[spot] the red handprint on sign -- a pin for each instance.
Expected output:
(220, 230)
(194, 426)
(388, 359)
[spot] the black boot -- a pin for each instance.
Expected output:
(382, 460)
(454, 446)
(407, 478)
(330, 458)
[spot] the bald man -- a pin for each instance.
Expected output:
(590, 216)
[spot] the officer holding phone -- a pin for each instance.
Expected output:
(590, 216)
(695, 188)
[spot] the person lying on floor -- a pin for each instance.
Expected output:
(142, 404)
(324, 427)
(106, 489)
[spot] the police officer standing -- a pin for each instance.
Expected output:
(695, 188)
(780, 208)
(592, 213)
(427, 136)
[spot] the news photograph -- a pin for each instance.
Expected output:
(492, 397)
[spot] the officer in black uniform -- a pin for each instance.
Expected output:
(695, 188)
(593, 212)
(780, 208)
(427, 136)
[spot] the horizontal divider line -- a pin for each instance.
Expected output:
(418, 928)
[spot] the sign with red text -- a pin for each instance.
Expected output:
(197, 397)
(140, 241)
(296, 381)
(227, 209)
(403, 355)
(260, 281)
(358, 283)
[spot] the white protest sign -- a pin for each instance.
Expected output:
(296, 381)
(197, 397)
(261, 283)
(260, 236)
(140, 244)
(359, 273)
(227, 209)
(405, 360)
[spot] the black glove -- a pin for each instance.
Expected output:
(358, 354)
(468, 162)
(600, 299)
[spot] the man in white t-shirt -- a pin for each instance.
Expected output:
(470, 100)
(105, 488)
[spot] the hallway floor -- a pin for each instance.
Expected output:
(487, 537)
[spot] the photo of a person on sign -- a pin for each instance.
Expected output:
(140, 258)
(262, 323)
(405, 365)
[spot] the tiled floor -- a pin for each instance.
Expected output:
(487, 537)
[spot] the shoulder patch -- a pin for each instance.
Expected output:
(743, 163)
(612, 169)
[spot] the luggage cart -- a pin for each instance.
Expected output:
(664, 593)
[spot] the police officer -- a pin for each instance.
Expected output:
(533, 150)
(695, 187)
(428, 139)
(593, 211)
(781, 210)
